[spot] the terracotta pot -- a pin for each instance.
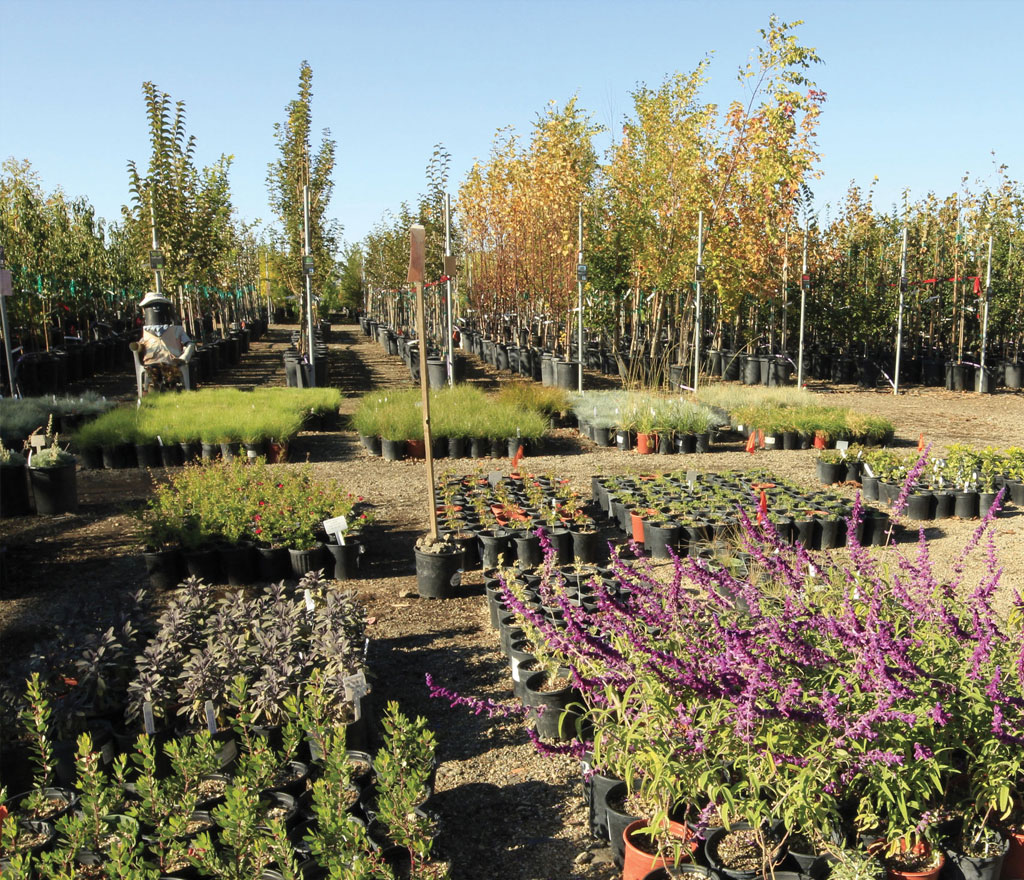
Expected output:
(637, 863)
(646, 443)
(1013, 864)
(930, 874)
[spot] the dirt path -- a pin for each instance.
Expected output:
(507, 812)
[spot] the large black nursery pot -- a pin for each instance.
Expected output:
(659, 537)
(552, 710)
(307, 560)
(919, 505)
(344, 559)
(586, 546)
(595, 787)
(494, 546)
(960, 866)
(14, 490)
(238, 563)
(273, 564)
(165, 568)
(55, 489)
(438, 574)
(1013, 376)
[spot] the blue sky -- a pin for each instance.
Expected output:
(919, 92)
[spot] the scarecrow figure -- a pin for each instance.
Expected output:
(165, 348)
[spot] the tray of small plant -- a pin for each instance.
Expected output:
(963, 482)
(495, 518)
(688, 510)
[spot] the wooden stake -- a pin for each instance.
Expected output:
(417, 252)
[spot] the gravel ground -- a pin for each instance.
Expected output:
(523, 813)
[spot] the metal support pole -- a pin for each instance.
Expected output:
(899, 314)
(696, 310)
(579, 305)
(448, 284)
(805, 282)
(309, 288)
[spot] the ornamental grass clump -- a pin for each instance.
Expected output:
(843, 692)
(217, 415)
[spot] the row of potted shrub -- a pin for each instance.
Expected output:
(166, 430)
(685, 511)
(648, 421)
(464, 421)
(858, 714)
(963, 483)
(788, 418)
(239, 522)
(20, 416)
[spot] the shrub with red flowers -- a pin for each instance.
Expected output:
(235, 501)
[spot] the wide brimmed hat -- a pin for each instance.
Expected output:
(152, 298)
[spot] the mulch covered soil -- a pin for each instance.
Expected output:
(506, 811)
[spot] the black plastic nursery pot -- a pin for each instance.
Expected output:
(238, 563)
(55, 489)
(438, 575)
(165, 568)
(307, 560)
(14, 490)
(553, 711)
(203, 564)
(273, 564)
(343, 564)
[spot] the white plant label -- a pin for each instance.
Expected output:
(337, 527)
(355, 688)
(147, 718)
(868, 470)
(842, 446)
(309, 601)
(211, 717)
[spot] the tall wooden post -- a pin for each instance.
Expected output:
(417, 260)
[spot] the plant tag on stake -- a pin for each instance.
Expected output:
(147, 718)
(842, 446)
(355, 690)
(337, 527)
(211, 717)
(309, 600)
(868, 470)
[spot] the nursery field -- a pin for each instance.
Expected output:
(505, 810)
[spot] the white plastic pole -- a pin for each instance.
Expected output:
(984, 320)
(803, 306)
(448, 284)
(899, 314)
(309, 288)
(696, 310)
(579, 305)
